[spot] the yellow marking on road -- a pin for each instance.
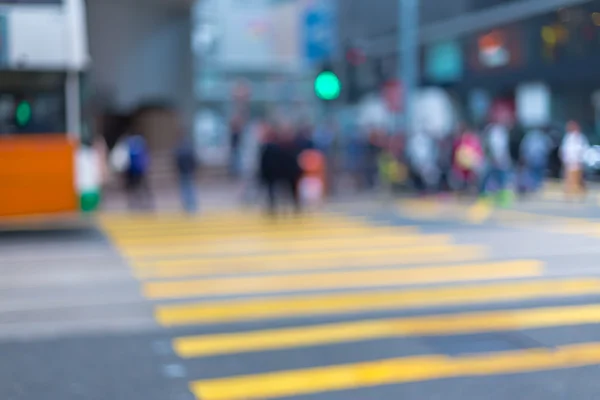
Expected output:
(338, 255)
(479, 212)
(239, 247)
(394, 371)
(452, 324)
(225, 221)
(250, 247)
(400, 257)
(475, 213)
(243, 239)
(345, 280)
(215, 216)
(208, 215)
(422, 208)
(556, 224)
(195, 266)
(348, 303)
(558, 196)
(553, 195)
(158, 237)
(135, 231)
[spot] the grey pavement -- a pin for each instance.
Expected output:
(72, 322)
(61, 281)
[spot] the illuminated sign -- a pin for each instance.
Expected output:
(496, 49)
(444, 62)
(492, 50)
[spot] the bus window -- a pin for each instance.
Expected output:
(32, 103)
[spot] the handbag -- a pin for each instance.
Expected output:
(119, 159)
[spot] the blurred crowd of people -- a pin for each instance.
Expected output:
(271, 161)
(492, 162)
(268, 158)
(495, 162)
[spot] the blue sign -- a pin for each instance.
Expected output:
(319, 31)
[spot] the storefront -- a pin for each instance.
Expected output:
(551, 60)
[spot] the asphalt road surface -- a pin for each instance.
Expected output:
(419, 299)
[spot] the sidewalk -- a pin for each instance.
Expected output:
(553, 191)
(226, 196)
(212, 196)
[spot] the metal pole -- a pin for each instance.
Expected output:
(408, 55)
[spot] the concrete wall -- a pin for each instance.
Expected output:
(140, 50)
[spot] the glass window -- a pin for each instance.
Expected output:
(32, 102)
(88, 133)
(476, 5)
(4, 2)
(435, 11)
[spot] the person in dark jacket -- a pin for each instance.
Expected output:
(270, 153)
(187, 165)
(279, 167)
(304, 138)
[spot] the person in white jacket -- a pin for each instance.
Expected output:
(572, 152)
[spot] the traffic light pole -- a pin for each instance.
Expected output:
(408, 59)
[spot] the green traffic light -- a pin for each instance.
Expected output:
(327, 86)
(23, 113)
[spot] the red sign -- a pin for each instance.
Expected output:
(392, 93)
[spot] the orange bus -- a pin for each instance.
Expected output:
(47, 164)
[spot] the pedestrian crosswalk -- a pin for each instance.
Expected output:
(470, 212)
(205, 345)
(336, 304)
(393, 371)
(478, 212)
(224, 269)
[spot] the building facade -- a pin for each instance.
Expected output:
(248, 58)
(534, 59)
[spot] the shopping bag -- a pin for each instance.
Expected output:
(119, 157)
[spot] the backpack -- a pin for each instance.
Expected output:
(468, 155)
(138, 155)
